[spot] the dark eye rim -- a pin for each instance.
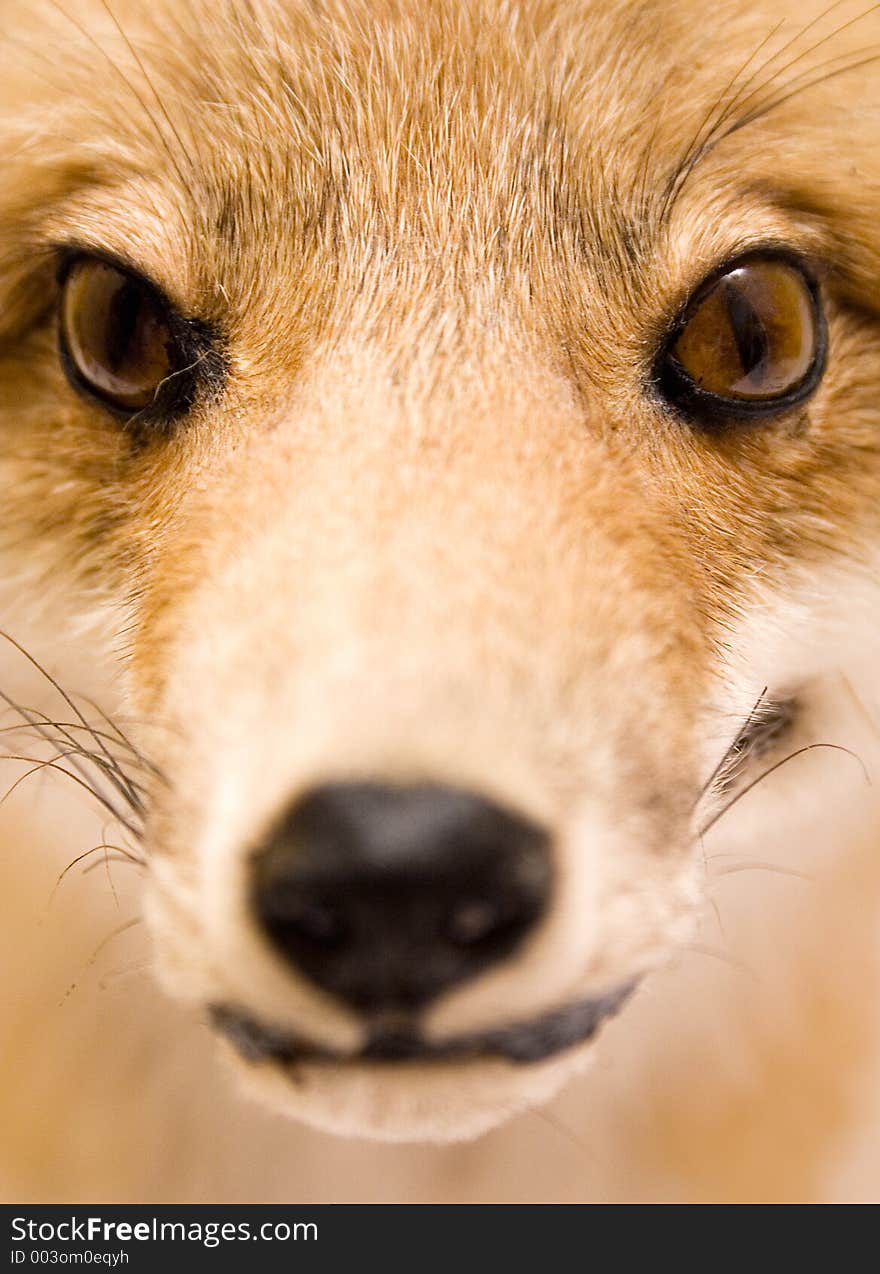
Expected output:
(197, 359)
(678, 392)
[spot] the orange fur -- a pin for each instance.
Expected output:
(437, 524)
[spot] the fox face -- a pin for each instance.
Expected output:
(463, 420)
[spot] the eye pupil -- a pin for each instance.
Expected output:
(125, 314)
(751, 342)
(748, 331)
(115, 335)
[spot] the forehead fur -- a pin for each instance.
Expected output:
(480, 137)
(446, 179)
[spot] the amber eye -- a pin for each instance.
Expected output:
(115, 335)
(750, 343)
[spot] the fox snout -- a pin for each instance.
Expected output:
(441, 825)
(386, 896)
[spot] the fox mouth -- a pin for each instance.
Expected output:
(522, 1043)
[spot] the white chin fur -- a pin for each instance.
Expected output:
(430, 1102)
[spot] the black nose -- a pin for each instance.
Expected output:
(386, 896)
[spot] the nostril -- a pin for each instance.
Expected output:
(473, 921)
(314, 921)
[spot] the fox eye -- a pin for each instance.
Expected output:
(750, 343)
(115, 335)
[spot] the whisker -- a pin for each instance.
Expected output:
(105, 4)
(122, 736)
(110, 979)
(57, 85)
(127, 787)
(32, 720)
(742, 95)
(697, 948)
(112, 936)
(773, 99)
(831, 35)
(71, 726)
(716, 911)
(163, 140)
(563, 1131)
(115, 933)
(132, 859)
(740, 735)
(756, 865)
(110, 879)
(114, 858)
(694, 147)
(861, 707)
(53, 764)
(763, 111)
(809, 747)
(64, 695)
(798, 80)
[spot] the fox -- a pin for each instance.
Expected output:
(441, 577)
